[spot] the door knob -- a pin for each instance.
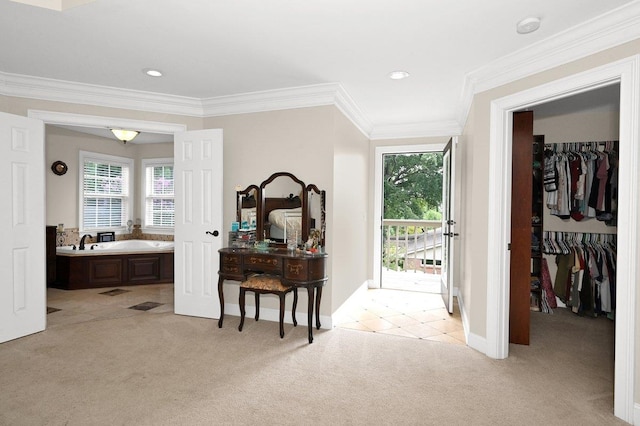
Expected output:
(214, 233)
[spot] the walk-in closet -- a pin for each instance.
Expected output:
(574, 233)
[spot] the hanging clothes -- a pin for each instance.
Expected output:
(581, 180)
(585, 278)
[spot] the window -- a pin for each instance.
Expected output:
(106, 189)
(159, 205)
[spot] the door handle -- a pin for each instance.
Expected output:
(214, 233)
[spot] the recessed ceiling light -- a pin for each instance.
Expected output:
(152, 72)
(528, 25)
(398, 75)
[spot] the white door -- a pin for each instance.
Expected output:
(22, 249)
(198, 221)
(448, 223)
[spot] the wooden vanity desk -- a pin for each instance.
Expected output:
(294, 269)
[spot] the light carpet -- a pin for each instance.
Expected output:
(166, 369)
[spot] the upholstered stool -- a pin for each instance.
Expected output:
(267, 284)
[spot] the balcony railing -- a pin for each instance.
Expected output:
(412, 245)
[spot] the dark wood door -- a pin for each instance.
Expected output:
(521, 205)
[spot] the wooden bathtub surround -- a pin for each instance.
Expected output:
(78, 272)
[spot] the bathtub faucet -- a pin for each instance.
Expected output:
(82, 241)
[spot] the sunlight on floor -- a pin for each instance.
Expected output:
(411, 314)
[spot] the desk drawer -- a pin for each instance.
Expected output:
(304, 269)
(263, 263)
(231, 259)
(231, 264)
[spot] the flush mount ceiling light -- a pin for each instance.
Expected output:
(124, 135)
(528, 25)
(152, 72)
(398, 75)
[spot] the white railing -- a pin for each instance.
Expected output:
(412, 245)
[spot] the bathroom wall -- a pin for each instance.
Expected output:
(62, 191)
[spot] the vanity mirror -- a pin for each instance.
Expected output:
(247, 205)
(284, 207)
(316, 212)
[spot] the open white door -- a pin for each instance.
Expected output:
(198, 221)
(448, 223)
(22, 247)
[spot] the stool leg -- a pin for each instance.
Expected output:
(241, 302)
(281, 295)
(257, 305)
(295, 305)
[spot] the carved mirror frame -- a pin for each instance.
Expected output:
(312, 202)
(245, 199)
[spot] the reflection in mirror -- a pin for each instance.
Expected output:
(281, 211)
(247, 205)
(316, 212)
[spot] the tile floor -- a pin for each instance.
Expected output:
(74, 306)
(412, 314)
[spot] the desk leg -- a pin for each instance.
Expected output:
(311, 293)
(221, 297)
(318, 297)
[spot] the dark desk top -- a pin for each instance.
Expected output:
(274, 251)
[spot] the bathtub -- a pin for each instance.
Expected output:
(114, 264)
(124, 246)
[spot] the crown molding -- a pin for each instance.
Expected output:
(289, 98)
(415, 130)
(24, 86)
(603, 32)
(351, 110)
(270, 100)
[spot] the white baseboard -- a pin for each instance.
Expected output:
(473, 340)
(636, 414)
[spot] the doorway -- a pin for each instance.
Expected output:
(88, 304)
(399, 312)
(625, 73)
(412, 221)
(378, 196)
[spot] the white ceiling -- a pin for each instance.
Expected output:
(213, 51)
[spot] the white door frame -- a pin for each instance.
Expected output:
(81, 120)
(627, 73)
(377, 198)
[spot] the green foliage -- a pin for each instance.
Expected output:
(412, 185)
(393, 258)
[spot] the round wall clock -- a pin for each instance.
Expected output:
(59, 168)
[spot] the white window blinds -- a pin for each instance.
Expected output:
(106, 190)
(159, 201)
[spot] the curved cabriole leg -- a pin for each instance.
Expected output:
(295, 305)
(257, 305)
(221, 298)
(241, 309)
(282, 295)
(318, 297)
(310, 292)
